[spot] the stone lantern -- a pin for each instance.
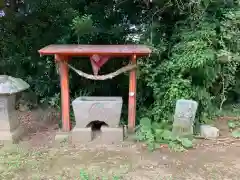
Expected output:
(10, 128)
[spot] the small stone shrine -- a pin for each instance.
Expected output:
(10, 128)
(97, 119)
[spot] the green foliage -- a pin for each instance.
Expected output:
(234, 126)
(84, 176)
(232, 110)
(236, 134)
(198, 59)
(82, 26)
(159, 133)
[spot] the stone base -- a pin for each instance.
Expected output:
(14, 136)
(61, 136)
(81, 135)
(105, 136)
(110, 136)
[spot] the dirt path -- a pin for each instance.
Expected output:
(128, 162)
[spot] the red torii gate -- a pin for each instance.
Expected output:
(99, 55)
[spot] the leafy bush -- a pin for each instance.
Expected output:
(198, 59)
(234, 126)
(160, 133)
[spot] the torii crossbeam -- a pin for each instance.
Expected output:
(99, 55)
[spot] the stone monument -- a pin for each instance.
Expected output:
(10, 128)
(184, 117)
(97, 113)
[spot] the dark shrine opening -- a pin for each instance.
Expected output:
(96, 127)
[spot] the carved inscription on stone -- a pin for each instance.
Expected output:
(184, 117)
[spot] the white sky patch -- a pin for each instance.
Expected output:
(2, 13)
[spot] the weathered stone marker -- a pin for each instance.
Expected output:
(91, 109)
(10, 128)
(184, 117)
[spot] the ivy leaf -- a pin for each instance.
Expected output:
(162, 134)
(145, 122)
(206, 3)
(159, 132)
(232, 124)
(140, 135)
(151, 146)
(158, 135)
(83, 175)
(236, 134)
(166, 134)
(162, 141)
(116, 178)
(186, 143)
(156, 126)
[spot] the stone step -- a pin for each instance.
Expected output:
(105, 136)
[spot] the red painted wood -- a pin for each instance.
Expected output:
(89, 50)
(132, 96)
(65, 100)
